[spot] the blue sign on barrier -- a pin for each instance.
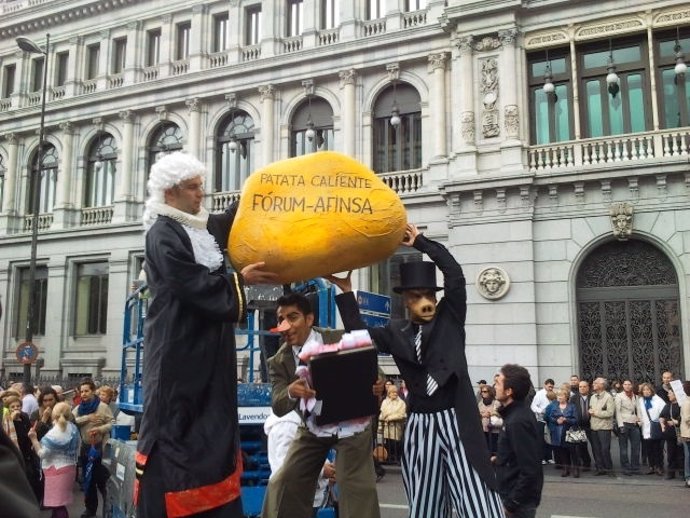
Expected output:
(374, 319)
(373, 302)
(374, 308)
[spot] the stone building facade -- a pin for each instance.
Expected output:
(568, 206)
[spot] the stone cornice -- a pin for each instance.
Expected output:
(21, 18)
(607, 27)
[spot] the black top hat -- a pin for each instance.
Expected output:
(417, 275)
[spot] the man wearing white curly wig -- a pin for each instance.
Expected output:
(188, 458)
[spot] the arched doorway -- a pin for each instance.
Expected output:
(628, 313)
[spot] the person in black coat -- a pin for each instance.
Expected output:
(429, 350)
(32, 464)
(518, 456)
(188, 448)
(580, 401)
(16, 496)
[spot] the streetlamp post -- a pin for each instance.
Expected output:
(31, 47)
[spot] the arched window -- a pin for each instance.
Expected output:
(47, 180)
(100, 171)
(234, 159)
(312, 127)
(165, 139)
(629, 313)
(397, 148)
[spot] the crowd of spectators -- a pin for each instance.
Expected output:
(40, 422)
(579, 419)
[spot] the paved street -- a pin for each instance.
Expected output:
(643, 496)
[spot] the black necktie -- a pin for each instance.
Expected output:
(418, 344)
(431, 385)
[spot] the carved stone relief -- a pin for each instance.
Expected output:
(672, 18)
(597, 30)
(511, 119)
(267, 92)
(489, 92)
(347, 77)
(464, 44)
(487, 43)
(621, 220)
(493, 282)
(535, 41)
(467, 127)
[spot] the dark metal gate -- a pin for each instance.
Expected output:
(628, 313)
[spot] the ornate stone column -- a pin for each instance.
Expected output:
(132, 66)
(511, 114)
(348, 78)
(167, 38)
(64, 213)
(194, 107)
(267, 93)
(103, 60)
(199, 31)
(348, 19)
(235, 31)
(64, 177)
(464, 77)
(123, 209)
(269, 28)
(125, 185)
(437, 67)
(8, 200)
(310, 23)
(76, 48)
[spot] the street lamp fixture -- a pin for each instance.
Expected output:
(32, 47)
(395, 112)
(612, 79)
(549, 88)
(681, 68)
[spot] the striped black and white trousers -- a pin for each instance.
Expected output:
(436, 474)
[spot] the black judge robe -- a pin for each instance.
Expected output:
(444, 358)
(190, 370)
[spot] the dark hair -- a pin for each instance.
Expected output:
(516, 377)
(686, 387)
(296, 299)
(45, 390)
(489, 389)
(549, 381)
(28, 388)
(87, 381)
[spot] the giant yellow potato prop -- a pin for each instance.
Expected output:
(314, 215)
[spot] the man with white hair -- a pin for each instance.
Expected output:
(188, 458)
(601, 410)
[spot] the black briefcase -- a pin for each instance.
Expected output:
(343, 383)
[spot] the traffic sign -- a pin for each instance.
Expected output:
(374, 302)
(26, 353)
(374, 319)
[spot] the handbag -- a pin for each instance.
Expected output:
(329, 507)
(575, 436)
(655, 432)
(496, 422)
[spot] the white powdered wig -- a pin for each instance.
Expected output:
(168, 171)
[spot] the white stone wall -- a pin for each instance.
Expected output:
(481, 195)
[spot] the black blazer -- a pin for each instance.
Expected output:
(443, 356)
(582, 419)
